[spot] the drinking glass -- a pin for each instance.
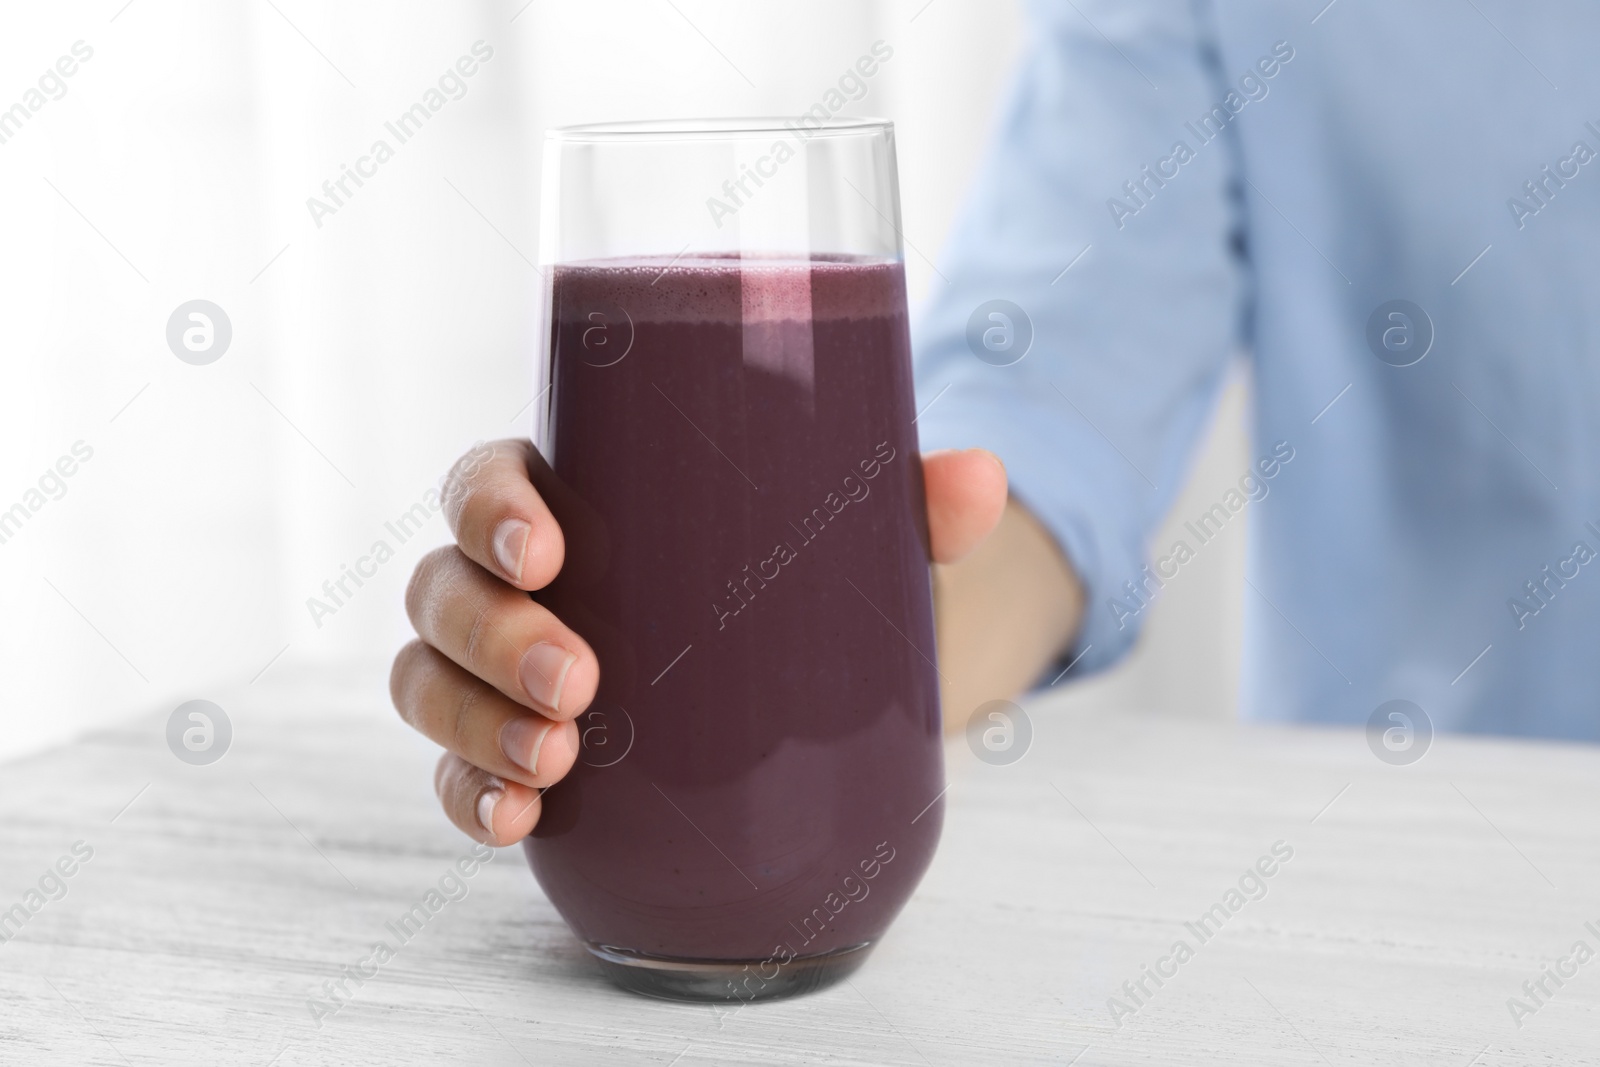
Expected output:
(725, 434)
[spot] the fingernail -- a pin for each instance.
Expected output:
(486, 806)
(510, 543)
(522, 738)
(544, 671)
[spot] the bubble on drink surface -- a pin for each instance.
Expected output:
(1399, 332)
(199, 332)
(607, 334)
(199, 732)
(999, 332)
(1399, 732)
(999, 732)
(605, 734)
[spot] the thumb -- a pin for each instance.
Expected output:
(966, 494)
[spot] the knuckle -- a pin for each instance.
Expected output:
(461, 725)
(480, 637)
(457, 501)
(425, 579)
(441, 771)
(405, 678)
(456, 778)
(513, 448)
(481, 483)
(456, 792)
(466, 468)
(467, 479)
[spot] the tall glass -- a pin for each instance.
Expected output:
(727, 441)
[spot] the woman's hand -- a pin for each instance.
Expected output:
(497, 680)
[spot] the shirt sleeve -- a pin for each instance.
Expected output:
(1089, 299)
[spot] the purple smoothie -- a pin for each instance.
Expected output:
(733, 462)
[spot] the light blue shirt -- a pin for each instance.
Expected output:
(1173, 182)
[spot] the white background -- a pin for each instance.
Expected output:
(374, 349)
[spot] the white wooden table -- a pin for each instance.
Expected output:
(219, 899)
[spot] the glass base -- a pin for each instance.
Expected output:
(725, 980)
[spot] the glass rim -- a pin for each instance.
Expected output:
(718, 129)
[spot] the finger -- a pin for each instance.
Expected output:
(966, 495)
(481, 805)
(498, 519)
(500, 635)
(453, 709)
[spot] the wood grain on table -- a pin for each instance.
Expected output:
(1418, 900)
